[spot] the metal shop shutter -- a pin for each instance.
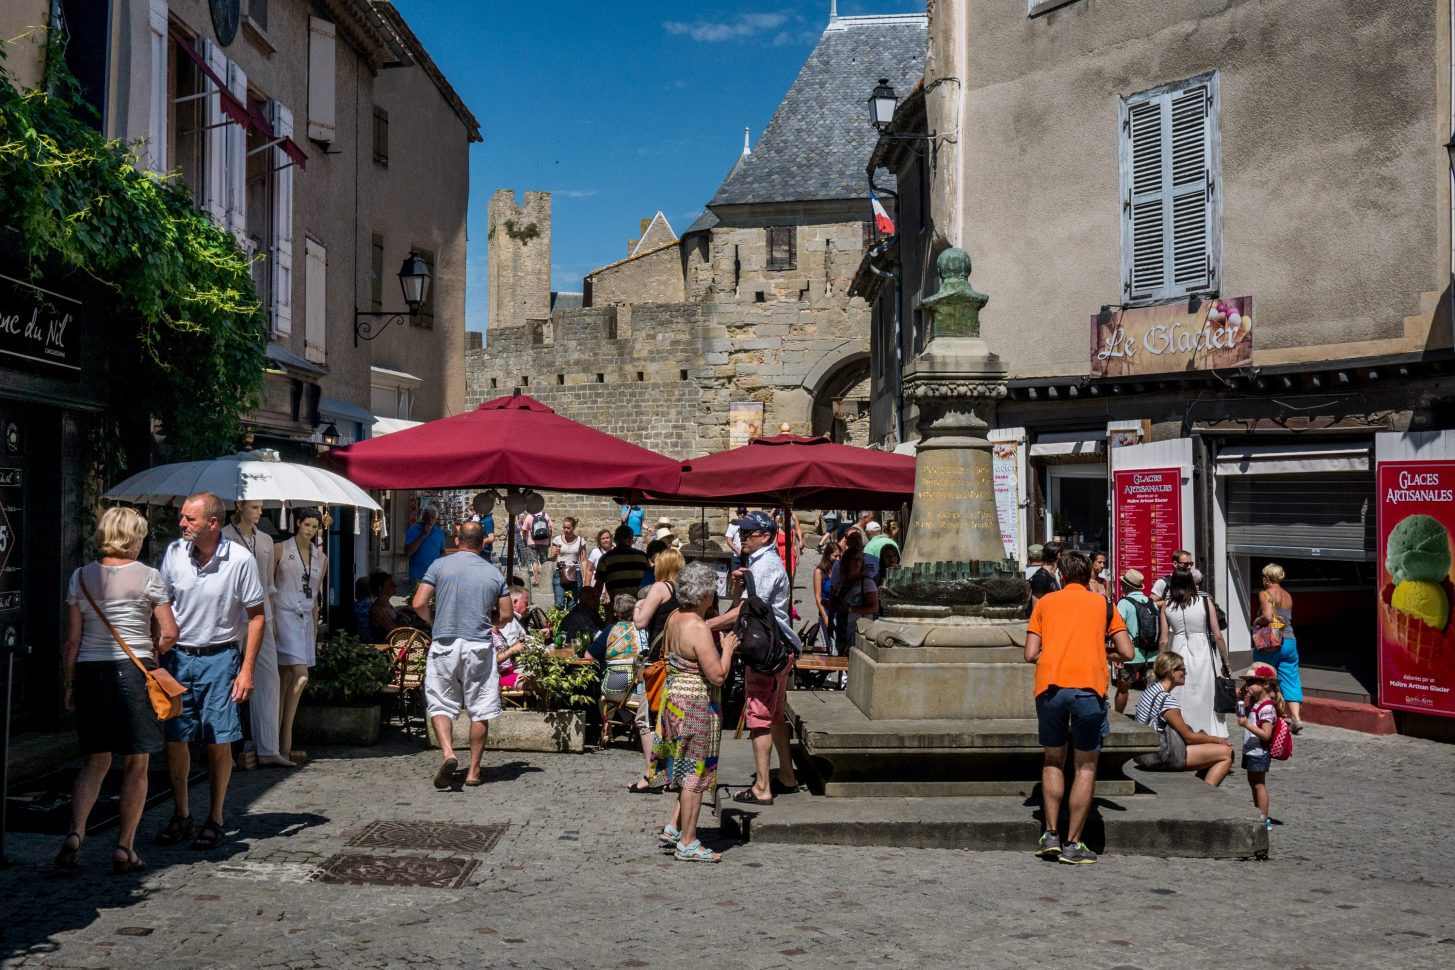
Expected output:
(1324, 516)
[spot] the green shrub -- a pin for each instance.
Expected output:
(347, 672)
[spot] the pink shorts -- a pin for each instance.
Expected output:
(767, 696)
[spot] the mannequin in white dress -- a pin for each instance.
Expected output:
(263, 705)
(300, 575)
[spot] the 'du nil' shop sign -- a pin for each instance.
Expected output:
(38, 328)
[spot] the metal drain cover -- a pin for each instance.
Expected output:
(362, 869)
(428, 836)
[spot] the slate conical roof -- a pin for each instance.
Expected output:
(820, 138)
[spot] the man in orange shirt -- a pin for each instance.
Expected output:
(1067, 641)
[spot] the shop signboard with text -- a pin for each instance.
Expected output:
(1416, 639)
(1147, 519)
(1189, 335)
(38, 329)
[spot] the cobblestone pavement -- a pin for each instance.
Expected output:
(1355, 880)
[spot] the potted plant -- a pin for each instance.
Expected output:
(341, 704)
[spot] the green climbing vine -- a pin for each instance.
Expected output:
(521, 233)
(187, 333)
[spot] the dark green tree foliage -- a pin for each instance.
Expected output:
(189, 336)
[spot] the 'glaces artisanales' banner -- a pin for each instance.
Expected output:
(1188, 335)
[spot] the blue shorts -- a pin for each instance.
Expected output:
(1257, 762)
(208, 713)
(1071, 713)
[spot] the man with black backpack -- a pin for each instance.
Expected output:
(1143, 621)
(764, 584)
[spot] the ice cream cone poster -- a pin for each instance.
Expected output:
(1416, 637)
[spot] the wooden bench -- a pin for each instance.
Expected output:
(819, 661)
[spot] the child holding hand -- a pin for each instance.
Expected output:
(1260, 705)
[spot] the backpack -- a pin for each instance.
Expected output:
(540, 529)
(760, 643)
(1280, 746)
(1148, 624)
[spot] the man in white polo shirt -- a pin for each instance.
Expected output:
(461, 671)
(218, 600)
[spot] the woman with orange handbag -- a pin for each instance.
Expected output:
(110, 646)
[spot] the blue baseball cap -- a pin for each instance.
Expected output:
(757, 522)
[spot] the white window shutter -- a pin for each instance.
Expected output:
(315, 304)
(214, 168)
(1190, 189)
(156, 151)
(1146, 271)
(320, 79)
(237, 157)
(1169, 181)
(282, 121)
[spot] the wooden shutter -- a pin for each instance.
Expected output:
(236, 162)
(315, 304)
(320, 79)
(282, 120)
(1169, 169)
(214, 162)
(156, 151)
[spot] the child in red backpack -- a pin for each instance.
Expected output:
(1260, 705)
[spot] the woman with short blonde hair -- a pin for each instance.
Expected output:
(111, 605)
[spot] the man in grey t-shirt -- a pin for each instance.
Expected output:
(468, 592)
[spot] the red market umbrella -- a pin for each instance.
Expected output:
(513, 441)
(791, 470)
(510, 441)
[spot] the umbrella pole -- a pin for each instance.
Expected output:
(788, 535)
(509, 549)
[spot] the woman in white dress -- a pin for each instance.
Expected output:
(263, 705)
(1190, 629)
(300, 575)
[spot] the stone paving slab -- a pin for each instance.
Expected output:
(1355, 879)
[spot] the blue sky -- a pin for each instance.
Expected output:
(617, 109)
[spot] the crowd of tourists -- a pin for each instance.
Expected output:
(1169, 642)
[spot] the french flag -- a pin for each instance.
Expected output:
(882, 222)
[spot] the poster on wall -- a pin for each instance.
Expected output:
(745, 422)
(1173, 337)
(1147, 515)
(1416, 641)
(1005, 473)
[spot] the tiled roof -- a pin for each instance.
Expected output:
(702, 223)
(820, 137)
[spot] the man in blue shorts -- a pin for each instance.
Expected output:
(218, 601)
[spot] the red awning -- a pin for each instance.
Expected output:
(510, 441)
(258, 121)
(231, 105)
(791, 470)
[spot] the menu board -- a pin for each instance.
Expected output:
(1006, 478)
(1147, 512)
(1416, 639)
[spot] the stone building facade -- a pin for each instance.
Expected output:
(750, 307)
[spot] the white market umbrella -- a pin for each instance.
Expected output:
(256, 476)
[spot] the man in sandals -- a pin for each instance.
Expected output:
(218, 601)
(767, 693)
(461, 671)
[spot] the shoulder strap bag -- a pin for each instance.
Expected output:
(162, 688)
(1225, 688)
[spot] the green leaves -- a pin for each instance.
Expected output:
(189, 335)
(347, 672)
(555, 682)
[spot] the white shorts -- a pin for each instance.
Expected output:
(459, 674)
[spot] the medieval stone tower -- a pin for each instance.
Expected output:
(519, 260)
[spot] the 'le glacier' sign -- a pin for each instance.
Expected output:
(1188, 335)
(38, 328)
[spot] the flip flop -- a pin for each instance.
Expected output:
(746, 797)
(779, 788)
(475, 783)
(649, 790)
(446, 773)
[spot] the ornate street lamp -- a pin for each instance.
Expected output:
(882, 104)
(414, 280)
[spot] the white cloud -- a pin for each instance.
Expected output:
(715, 31)
(573, 193)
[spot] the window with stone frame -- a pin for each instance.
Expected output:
(782, 247)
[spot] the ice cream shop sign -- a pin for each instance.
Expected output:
(38, 328)
(1188, 335)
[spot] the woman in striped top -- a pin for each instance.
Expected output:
(1181, 748)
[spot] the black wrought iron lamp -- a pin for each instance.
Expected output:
(414, 280)
(882, 104)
